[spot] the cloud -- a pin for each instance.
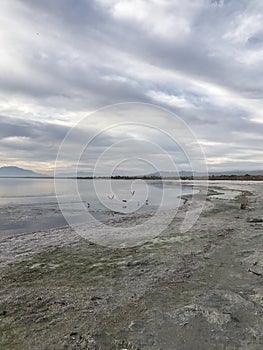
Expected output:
(61, 60)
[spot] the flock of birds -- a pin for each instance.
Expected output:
(124, 201)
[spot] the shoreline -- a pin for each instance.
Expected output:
(20, 246)
(202, 289)
(23, 214)
(14, 243)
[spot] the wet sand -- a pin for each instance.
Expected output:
(199, 290)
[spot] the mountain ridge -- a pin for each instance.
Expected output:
(210, 173)
(14, 171)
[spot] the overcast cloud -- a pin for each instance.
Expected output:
(60, 60)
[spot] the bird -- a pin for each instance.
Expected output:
(111, 197)
(132, 193)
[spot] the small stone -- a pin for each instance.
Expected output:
(72, 334)
(136, 325)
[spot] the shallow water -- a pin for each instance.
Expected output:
(28, 205)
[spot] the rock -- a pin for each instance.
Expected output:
(255, 220)
(73, 334)
(136, 263)
(244, 203)
(136, 325)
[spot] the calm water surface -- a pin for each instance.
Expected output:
(28, 205)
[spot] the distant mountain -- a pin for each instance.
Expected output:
(211, 173)
(173, 174)
(165, 174)
(237, 172)
(14, 171)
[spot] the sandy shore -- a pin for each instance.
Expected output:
(199, 290)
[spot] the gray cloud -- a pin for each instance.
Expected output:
(63, 59)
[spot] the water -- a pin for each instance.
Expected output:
(29, 205)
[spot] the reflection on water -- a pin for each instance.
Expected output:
(28, 205)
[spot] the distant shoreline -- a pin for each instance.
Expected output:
(246, 177)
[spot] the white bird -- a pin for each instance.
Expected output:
(111, 197)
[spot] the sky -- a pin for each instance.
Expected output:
(61, 61)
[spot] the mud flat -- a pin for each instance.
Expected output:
(198, 290)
